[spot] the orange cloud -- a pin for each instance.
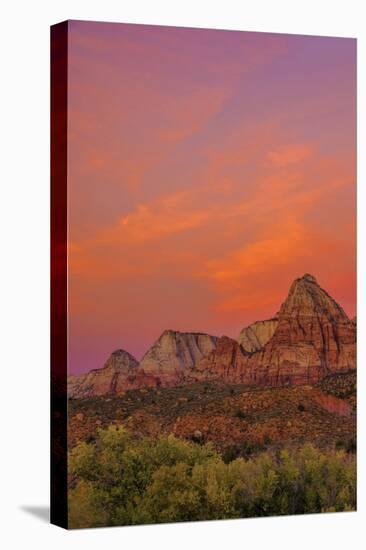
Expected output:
(260, 223)
(289, 154)
(275, 247)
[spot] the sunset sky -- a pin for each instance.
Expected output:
(207, 170)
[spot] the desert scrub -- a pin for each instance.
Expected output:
(122, 480)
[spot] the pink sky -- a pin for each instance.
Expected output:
(207, 170)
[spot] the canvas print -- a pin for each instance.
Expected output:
(203, 198)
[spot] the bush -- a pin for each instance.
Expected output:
(240, 414)
(244, 450)
(349, 445)
(122, 480)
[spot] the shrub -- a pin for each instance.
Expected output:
(240, 414)
(244, 450)
(123, 480)
(349, 445)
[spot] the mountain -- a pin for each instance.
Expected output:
(174, 354)
(165, 364)
(309, 338)
(119, 373)
(255, 336)
(313, 337)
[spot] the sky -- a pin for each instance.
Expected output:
(207, 170)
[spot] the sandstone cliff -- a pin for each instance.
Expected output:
(174, 354)
(255, 337)
(118, 373)
(227, 362)
(166, 363)
(312, 338)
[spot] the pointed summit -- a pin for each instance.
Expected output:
(310, 338)
(307, 298)
(313, 337)
(118, 373)
(309, 278)
(121, 360)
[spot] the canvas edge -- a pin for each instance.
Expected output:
(58, 120)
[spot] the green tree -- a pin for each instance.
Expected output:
(120, 479)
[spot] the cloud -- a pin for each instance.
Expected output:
(274, 247)
(220, 227)
(286, 155)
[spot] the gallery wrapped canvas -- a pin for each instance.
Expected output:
(203, 268)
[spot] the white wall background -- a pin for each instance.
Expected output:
(24, 272)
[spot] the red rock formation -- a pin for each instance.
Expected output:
(165, 364)
(333, 404)
(227, 362)
(174, 354)
(119, 373)
(255, 336)
(310, 338)
(313, 337)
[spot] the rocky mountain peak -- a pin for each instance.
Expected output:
(175, 352)
(309, 338)
(307, 298)
(117, 374)
(313, 337)
(309, 278)
(121, 360)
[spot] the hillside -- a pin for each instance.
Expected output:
(237, 419)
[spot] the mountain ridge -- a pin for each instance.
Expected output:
(310, 337)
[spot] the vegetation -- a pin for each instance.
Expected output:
(240, 414)
(227, 415)
(119, 479)
(342, 385)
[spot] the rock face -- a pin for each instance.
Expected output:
(174, 354)
(310, 337)
(165, 364)
(227, 362)
(119, 373)
(255, 337)
(333, 404)
(313, 337)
